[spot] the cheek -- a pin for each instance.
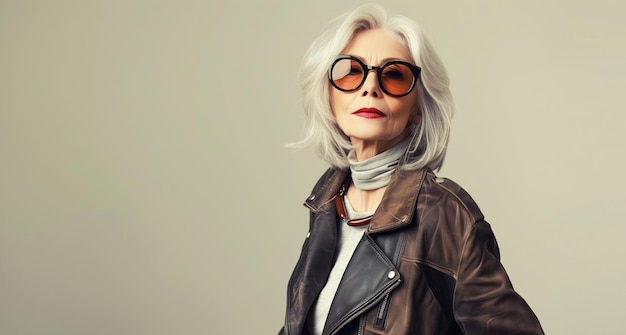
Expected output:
(406, 111)
(414, 114)
(413, 109)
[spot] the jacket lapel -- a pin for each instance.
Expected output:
(369, 276)
(397, 207)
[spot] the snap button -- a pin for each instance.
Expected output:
(391, 274)
(312, 197)
(439, 180)
(308, 234)
(404, 219)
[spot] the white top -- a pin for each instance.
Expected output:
(347, 240)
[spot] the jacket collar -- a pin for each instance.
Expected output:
(395, 210)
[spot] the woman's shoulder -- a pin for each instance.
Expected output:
(446, 193)
(326, 187)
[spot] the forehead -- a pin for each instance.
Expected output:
(376, 45)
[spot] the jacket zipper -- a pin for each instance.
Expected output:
(381, 317)
(366, 305)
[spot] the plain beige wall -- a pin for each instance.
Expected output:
(144, 187)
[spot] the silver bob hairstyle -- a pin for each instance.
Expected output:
(428, 138)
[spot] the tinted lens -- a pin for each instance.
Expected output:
(397, 78)
(347, 74)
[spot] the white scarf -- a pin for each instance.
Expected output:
(375, 172)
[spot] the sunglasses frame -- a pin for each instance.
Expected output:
(416, 70)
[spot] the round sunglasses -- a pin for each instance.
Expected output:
(396, 78)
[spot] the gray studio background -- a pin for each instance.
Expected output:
(145, 189)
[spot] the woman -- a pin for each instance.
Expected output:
(392, 249)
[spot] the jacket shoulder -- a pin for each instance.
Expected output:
(326, 187)
(456, 195)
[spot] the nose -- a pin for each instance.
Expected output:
(371, 85)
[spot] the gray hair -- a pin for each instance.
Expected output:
(429, 137)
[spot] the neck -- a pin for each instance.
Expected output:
(375, 172)
(365, 200)
(366, 149)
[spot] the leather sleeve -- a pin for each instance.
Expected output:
(484, 299)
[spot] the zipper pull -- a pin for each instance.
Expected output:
(381, 317)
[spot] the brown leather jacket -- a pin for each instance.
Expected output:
(427, 264)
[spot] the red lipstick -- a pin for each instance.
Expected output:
(369, 113)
